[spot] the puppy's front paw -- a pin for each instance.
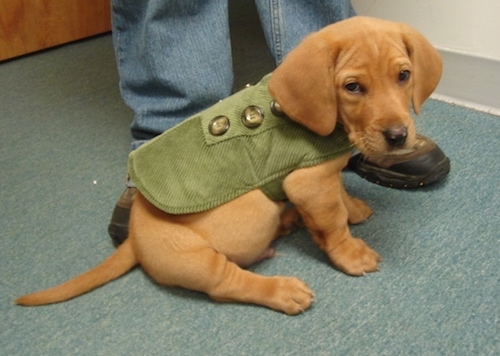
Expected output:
(354, 257)
(358, 211)
(290, 295)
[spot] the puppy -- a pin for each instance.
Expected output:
(349, 84)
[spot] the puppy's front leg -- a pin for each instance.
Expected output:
(319, 196)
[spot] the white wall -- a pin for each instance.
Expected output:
(467, 34)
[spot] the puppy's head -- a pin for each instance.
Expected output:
(363, 73)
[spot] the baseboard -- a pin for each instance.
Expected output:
(470, 81)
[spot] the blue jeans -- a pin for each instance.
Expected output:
(174, 56)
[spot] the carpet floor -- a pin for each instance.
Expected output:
(63, 153)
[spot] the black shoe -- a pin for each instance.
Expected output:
(424, 165)
(118, 226)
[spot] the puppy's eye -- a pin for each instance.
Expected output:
(353, 88)
(404, 75)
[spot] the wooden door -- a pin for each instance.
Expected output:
(31, 25)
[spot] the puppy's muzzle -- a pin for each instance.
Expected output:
(396, 136)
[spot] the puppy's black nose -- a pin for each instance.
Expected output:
(396, 136)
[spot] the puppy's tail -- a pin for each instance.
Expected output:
(116, 265)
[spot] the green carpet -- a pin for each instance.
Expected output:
(63, 152)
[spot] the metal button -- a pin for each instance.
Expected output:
(276, 108)
(218, 125)
(253, 116)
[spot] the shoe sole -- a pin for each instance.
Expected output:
(393, 179)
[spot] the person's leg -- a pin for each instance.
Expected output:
(286, 22)
(174, 60)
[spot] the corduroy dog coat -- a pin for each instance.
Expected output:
(229, 149)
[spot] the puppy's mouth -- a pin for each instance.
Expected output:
(375, 143)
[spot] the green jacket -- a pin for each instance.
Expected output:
(188, 169)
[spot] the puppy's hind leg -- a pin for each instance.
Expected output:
(189, 261)
(290, 221)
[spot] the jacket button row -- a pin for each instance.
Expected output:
(252, 117)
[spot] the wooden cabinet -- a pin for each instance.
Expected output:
(31, 25)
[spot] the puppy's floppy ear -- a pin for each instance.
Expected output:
(427, 66)
(303, 85)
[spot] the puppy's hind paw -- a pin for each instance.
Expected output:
(290, 221)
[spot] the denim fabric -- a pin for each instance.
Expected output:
(286, 22)
(174, 56)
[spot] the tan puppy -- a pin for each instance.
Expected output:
(362, 73)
